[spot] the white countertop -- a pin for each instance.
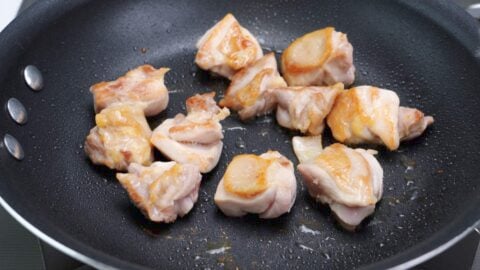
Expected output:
(8, 11)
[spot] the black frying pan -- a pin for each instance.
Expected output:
(424, 50)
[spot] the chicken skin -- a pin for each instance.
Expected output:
(163, 190)
(263, 185)
(227, 47)
(349, 180)
(322, 57)
(307, 147)
(196, 138)
(143, 85)
(121, 137)
(247, 91)
(305, 108)
(367, 114)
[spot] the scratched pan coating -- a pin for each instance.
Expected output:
(424, 52)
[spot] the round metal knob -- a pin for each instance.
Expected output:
(33, 78)
(13, 147)
(17, 111)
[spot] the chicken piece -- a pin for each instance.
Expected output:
(144, 85)
(367, 114)
(305, 108)
(201, 125)
(350, 181)
(412, 123)
(308, 147)
(163, 190)
(195, 138)
(247, 91)
(227, 47)
(263, 185)
(205, 156)
(322, 57)
(121, 137)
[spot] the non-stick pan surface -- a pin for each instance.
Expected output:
(424, 50)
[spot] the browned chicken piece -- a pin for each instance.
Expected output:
(121, 137)
(263, 185)
(163, 190)
(349, 180)
(305, 108)
(368, 114)
(143, 85)
(227, 47)
(195, 138)
(247, 91)
(322, 57)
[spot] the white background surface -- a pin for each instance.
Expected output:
(8, 10)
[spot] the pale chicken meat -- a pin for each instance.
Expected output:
(227, 47)
(203, 155)
(307, 147)
(349, 180)
(368, 114)
(195, 138)
(247, 92)
(412, 123)
(322, 57)
(263, 185)
(163, 191)
(144, 85)
(121, 137)
(305, 108)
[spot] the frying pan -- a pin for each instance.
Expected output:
(427, 51)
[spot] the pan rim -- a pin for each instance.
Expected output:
(52, 242)
(100, 265)
(42, 7)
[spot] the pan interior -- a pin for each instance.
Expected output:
(428, 181)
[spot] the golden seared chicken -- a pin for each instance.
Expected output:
(227, 47)
(121, 137)
(163, 190)
(305, 108)
(367, 114)
(144, 85)
(263, 185)
(195, 138)
(322, 57)
(247, 91)
(349, 180)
